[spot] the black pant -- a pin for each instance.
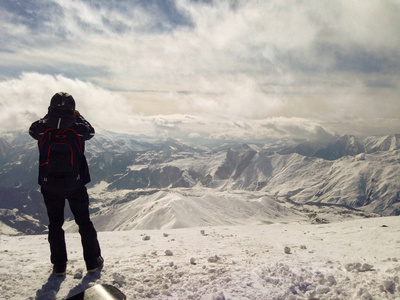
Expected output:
(79, 204)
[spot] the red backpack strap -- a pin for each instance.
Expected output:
(43, 138)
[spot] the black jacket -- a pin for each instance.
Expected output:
(62, 121)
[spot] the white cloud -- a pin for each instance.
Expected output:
(26, 99)
(330, 61)
(196, 128)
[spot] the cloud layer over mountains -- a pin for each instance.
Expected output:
(108, 110)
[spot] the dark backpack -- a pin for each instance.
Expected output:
(60, 155)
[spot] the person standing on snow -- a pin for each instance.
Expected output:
(63, 174)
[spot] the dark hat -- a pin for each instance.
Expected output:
(62, 101)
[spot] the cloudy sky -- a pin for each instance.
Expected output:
(211, 69)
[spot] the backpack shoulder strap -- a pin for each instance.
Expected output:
(78, 138)
(44, 136)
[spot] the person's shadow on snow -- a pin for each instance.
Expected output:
(75, 293)
(50, 289)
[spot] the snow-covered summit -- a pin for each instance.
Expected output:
(355, 259)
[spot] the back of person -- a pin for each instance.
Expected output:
(63, 174)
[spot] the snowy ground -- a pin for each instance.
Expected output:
(354, 259)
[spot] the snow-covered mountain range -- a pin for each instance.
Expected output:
(140, 183)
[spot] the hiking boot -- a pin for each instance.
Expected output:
(60, 269)
(94, 264)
